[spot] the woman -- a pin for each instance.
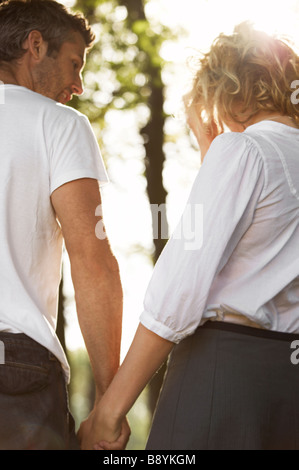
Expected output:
(227, 308)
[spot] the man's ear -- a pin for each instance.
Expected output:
(36, 45)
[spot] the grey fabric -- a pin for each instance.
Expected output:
(229, 387)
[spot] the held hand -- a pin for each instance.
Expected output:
(106, 427)
(86, 433)
(120, 443)
(99, 428)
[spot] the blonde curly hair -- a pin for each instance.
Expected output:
(243, 74)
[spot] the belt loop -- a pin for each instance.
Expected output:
(51, 356)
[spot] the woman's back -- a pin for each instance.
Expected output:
(261, 278)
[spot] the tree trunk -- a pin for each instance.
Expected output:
(60, 330)
(153, 135)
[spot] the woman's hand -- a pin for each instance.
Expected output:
(120, 443)
(100, 431)
(203, 132)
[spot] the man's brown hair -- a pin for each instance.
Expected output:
(53, 20)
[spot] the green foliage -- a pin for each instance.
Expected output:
(139, 418)
(80, 389)
(125, 59)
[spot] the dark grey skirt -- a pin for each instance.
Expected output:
(229, 387)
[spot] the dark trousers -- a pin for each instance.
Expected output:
(34, 413)
(229, 387)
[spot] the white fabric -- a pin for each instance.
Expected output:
(248, 264)
(43, 145)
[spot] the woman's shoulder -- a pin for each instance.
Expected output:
(233, 138)
(234, 146)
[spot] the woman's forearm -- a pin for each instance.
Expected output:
(106, 427)
(146, 355)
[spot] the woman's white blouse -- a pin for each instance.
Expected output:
(235, 252)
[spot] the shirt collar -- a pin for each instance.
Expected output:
(272, 126)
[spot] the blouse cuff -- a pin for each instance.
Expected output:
(160, 329)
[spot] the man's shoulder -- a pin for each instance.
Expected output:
(65, 113)
(58, 109)
(50, 107)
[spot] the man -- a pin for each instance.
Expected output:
(50, 169)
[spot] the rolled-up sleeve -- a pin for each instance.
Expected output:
(218, 212)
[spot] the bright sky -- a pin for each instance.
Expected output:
(127, 213)
(204, 19)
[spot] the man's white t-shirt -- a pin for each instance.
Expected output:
(43, 145)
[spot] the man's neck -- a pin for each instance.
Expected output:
(4, 81)
(7, 76)
(11, 73)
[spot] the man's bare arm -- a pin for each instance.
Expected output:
(95, 275)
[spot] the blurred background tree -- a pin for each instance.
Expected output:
(124, 72)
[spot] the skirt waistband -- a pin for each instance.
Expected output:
(248, 330)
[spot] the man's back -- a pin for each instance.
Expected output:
(43, 145)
